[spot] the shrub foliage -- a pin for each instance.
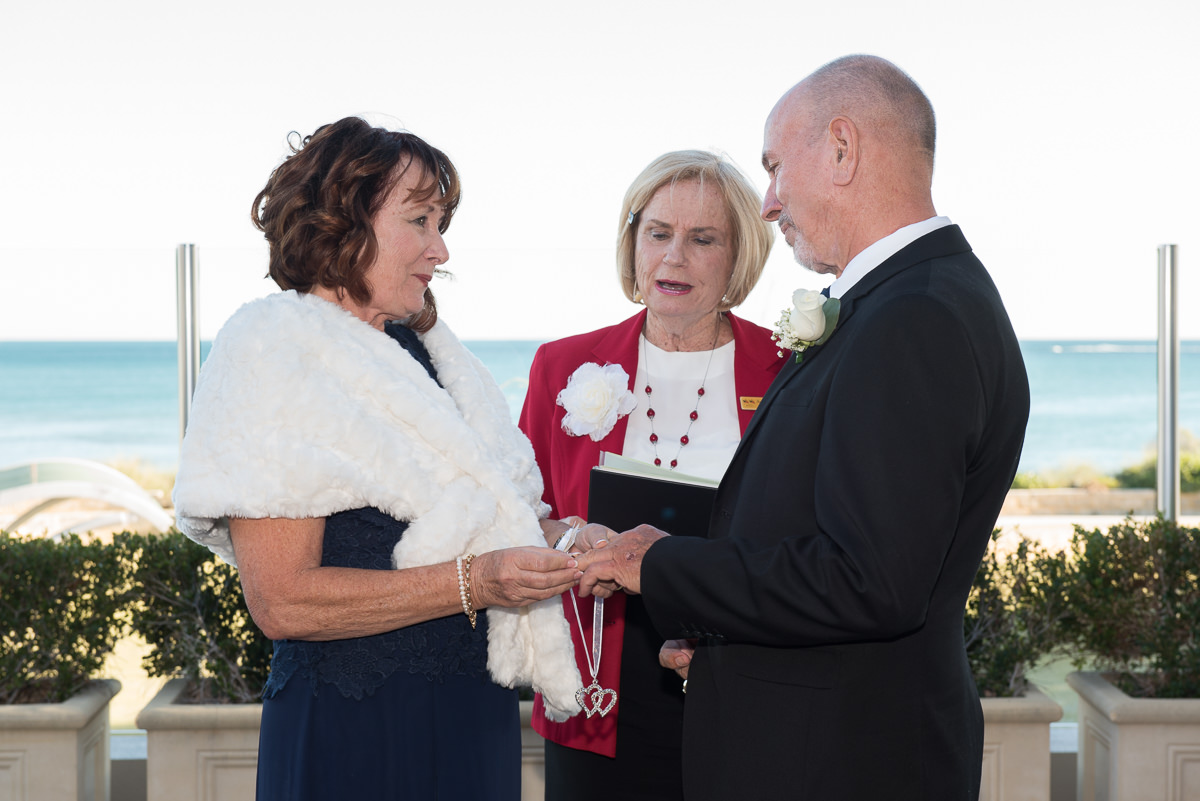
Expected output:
(1030, 481)
(1012, 615)
(1134, 598)
(188, 606)
(62, 611)
(1145, 475)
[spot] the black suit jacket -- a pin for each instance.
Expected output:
(829, 594)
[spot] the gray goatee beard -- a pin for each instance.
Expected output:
(801, 250)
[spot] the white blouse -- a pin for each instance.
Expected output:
(675, 376)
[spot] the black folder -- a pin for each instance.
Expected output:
(623, 500)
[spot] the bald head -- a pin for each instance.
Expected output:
(850, 154)
(877, 95)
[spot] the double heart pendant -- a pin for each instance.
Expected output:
(596, 700)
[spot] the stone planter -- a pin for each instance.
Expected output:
(1016, 747)
(50, 752)
(1138, 748)
(199, 752)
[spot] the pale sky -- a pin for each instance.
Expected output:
(1067, 143)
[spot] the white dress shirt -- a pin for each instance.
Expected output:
(878, 252)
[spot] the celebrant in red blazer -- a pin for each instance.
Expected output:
(674, 385)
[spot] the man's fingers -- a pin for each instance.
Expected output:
(594, 573)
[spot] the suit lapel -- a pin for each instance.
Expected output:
(945, 241)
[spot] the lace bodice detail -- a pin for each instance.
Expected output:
(364, 539)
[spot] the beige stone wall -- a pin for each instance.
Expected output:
(1118, 502)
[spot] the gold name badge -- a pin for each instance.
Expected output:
(749, 404)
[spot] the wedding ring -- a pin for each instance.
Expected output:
(685, 686)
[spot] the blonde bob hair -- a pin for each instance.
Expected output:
(752, 236)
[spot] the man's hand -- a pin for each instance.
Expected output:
(677, 655)
(617, 565)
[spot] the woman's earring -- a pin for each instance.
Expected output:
(637, 296)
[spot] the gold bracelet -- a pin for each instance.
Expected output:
(463, 563)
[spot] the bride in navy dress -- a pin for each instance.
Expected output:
(362, 470)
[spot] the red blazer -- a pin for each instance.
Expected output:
(566, 462)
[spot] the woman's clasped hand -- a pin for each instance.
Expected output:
(516, 577)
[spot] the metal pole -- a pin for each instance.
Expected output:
(188, 336)
(1168, 381)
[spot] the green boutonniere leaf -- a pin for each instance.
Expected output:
(832, 308)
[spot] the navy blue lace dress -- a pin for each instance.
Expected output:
(408, 714)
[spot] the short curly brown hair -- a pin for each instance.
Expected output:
(317, 208)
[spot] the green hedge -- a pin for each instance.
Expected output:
(188, 605)
(62, 610)
(65, 605)
(1126, 600)
(1145, 475)
(1012, 615)
(1141, 476)
(1134, 603)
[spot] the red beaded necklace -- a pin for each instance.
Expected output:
(695, 414)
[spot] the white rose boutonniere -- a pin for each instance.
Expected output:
(809, 322)
(595, 398)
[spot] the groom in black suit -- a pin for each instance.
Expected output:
(819, 624)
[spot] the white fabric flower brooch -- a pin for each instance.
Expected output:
(595, 398)
(809, 322)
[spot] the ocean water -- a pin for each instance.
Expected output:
(1093, 403)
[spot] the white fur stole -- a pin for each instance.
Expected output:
(303, 410)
